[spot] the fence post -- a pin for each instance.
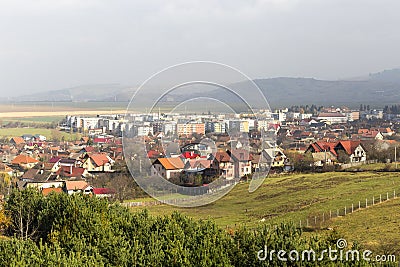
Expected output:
(300, 224)
(359, 204)
(315, 221)
(373, 200)
(344, 210)
(337, 213)
(380, 198)
(307, 222)
(387, 195)
(352, 207)
(366, 202)
(394, 193)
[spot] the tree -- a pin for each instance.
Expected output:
(24, 207)
(56, 135)
(301, 162)
(343, 157)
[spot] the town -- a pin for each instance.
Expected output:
(195, 149)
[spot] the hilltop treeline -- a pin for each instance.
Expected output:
(394, 109)
(81, 230)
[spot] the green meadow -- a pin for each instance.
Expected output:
(49, 133)
(299, 198)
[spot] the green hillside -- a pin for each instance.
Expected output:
(302, 197)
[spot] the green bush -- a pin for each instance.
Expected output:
(80, 230)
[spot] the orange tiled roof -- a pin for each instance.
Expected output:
(18, 140)
(171, 163)
(47, 191)
(76, 185)
(350, 145)
(99, 159)
(23, 159)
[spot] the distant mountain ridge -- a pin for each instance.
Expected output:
(380, 88)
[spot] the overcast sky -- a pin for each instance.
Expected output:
(55, 44)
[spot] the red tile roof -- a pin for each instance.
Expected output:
(152, 154)
(102, 140)
(54, 160)
(88, 149)
(222, 157)
(103, 191)
(190, 155)
(66, 171)
(350, 146)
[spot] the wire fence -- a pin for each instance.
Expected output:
(318, 221)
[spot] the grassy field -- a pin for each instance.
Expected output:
(374, 167)
(298, 197)
(34, 120)
(12, 132)
(376, 227)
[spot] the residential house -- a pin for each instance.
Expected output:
(97, 162)
(323, 158)
(43, 184)
(351, 148)
(167, 167)
(103, 192)
(28, 137)
(332, 117)
(24, 161)
(386, 131)
(39, 137)
(354, 149)
(274, 156)
(242, 162)
(224, 165)
(74, 187)
(71, 172)
(16, 141)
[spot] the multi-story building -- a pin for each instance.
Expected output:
(169, 128)
(332, 117)
(215, 127)
(238, 125)
(190, 128)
